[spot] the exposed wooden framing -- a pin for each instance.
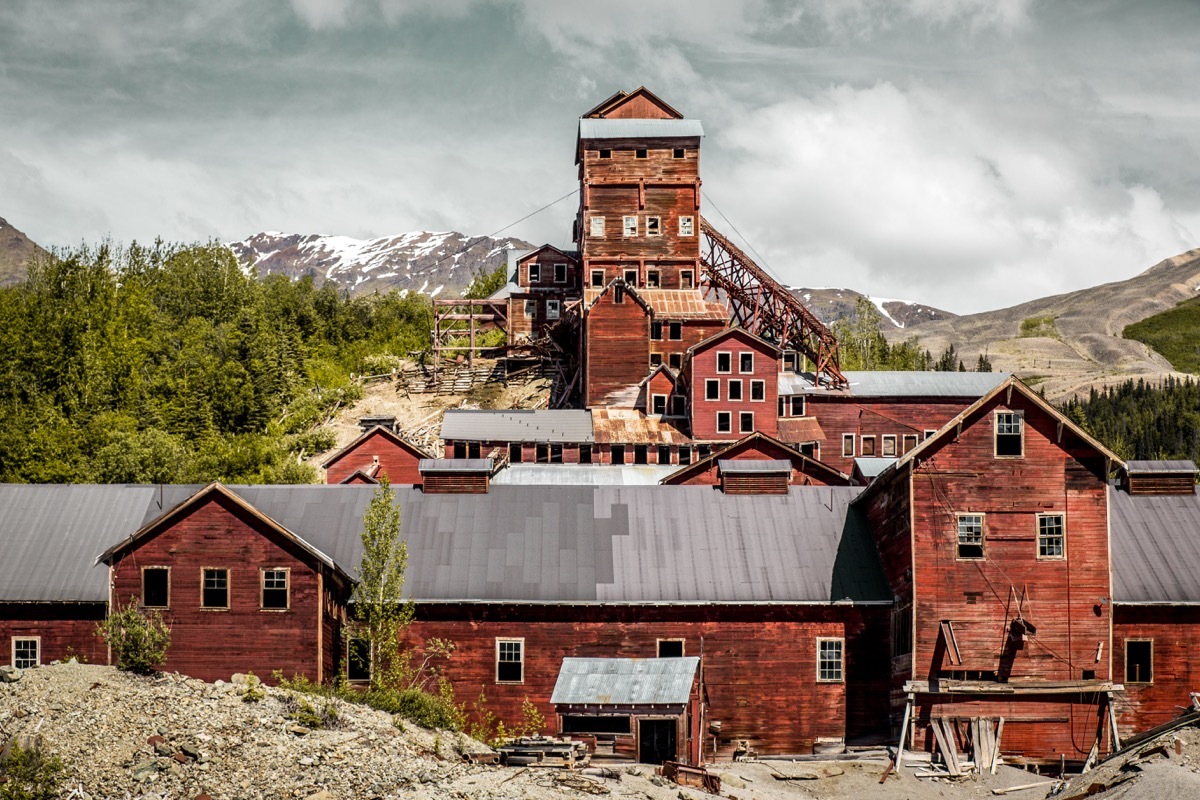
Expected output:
(479, 315)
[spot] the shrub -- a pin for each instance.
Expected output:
(139, 640)
(29, 773)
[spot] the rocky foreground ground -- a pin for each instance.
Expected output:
(168, 736)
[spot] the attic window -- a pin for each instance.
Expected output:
(618, 295)
(745, 362)
(560, 273)
(641, 152)
(678, 152)
(970, 536)
(724, 362)
(606, 153)
(1010, 439)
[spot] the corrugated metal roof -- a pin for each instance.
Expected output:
(625, 681)
(542, 425)
(754, 466)
(50, 537)
(800, 429)
(1135, 467)
(582, 474)
(639, 128)
(630, 426)
(1155, 547)
(898, 384)
(455, 465)
(871, 467)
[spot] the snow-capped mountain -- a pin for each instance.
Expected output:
(830, 305)
(435, 264)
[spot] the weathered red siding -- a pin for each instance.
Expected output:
(704, 367)
(617, 352)
(1174, 632)
(65, 630)
(878, 417)
(397, 462)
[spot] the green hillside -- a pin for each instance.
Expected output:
(1174, 334)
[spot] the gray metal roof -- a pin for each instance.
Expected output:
(50, 537)
(455, 465)
(871, 467)
(754, 466)
(542, 425)
(583, 474)
(897, 384)
(1155, 547)
(625, 681)
(639, 128)
(1135, 467)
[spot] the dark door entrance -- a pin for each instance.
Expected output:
(656, 740)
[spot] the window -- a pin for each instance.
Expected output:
(531, 309)
(552, 308)
(641, 454)
(358, 659)
(686, 279)
(677, 408)
(1051, 536)
(275, 588)
(664, 454)
(631, 276)
(659, 404)
(910, 441)
(902, 629)
(829, 660)
(797, 405)
(712, 389)
(652, 278)
(746, 422)
(758, 391)
(510, 661)
(473, 449)
(156, 587)
(703, 451)
(687, 226)
(597, 278)
(460, 449)
(541, 453)
(597, 227)
(685, 455)
(585, 454)
(656, 359)
(889, 445)
(926, 434)
(26, 651)
(653, 226)
(847, 445)
(618, 295)
(1139, 661)
(606, 153)
(515, 453)
(676, 360)
(641, 152)
(535, 273)
(1009, 436)
(724, 422)
(629, 226)
(617, 453)
(781, 406)
(215, 592)
(745, 362)
(655, 331)
(670, 648)
(735, 389)
(560, 273)
(970, 536)
(868, 446)
(675, 331)
(724, 362)
(677, 152)
(556, 454)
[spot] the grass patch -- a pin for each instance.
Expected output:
(431, 710)
(1174, 334)
(1039, 328)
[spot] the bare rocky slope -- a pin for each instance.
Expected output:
(15, 251)
(434, 264)
(830, 305)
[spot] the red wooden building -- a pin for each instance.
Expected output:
(378, 453)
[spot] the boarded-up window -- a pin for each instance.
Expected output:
(868, 446)
(1139, 661)
(847, 445)
(156, 587)
(889, 446)
(510, 660)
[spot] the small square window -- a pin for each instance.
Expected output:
(655, 331)
(664, 454)
(510, 661)
(617, 453)
(597, 227)
(675, 360)
(797, 405)
(724, 362)
(687, 226)
(535, 273)
(641, 152)
(653, 226)
(275, 588)
(712, 389)
(659, 404)
(1010, 440)
(1052, 538)
(746, 422)
(758, 391)
(1139, 661)
(652, 278)
(724, 422)
(735, 389)
(560, 273)
(26, 652)
(868, 446)
(358, 659)
(216, 589)
(677, 152)
(675, 331)
(670, 648)
(631, 276)
(970, 536)
(156, 587)
(745, 362)
(629, 226)
(847, 445)
(830, 660)
(606, 153)
(655, 359)
(597, 278)
(889, 446)
(686, 279)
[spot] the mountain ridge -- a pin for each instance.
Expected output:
(15, 251)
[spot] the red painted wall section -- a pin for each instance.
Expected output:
(803, 473)
(398, 461)
(1176, 669)
(759, 663)
(617, 351)
(878, 418)
(704, 412)
(211, 643)
(64, 630)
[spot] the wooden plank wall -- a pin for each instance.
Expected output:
(618, 348)
(65, 629)
(704, 367)
(398, 463)
(1174, 632)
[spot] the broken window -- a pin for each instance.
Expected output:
(156, 587)
(675, 360)
(712, 389)
(652, 278)
(829, 660)
(658, 404)
(735, 389)
(782, 406)
(745, 362)
(758, 390)
(515, 453)
(724, 422)
(1139, 660)
(889, 446)
(510, 661)
(677, 152)
(630, 226)
(970, 536)
(617, 454)
(746, 422)
(26, 651)
(358, 659)
(631, 276)
(606, 153)
(535, 273)
(686, 278)
(215, 592)
(552, 308)
(597, 227)
(1051, 536)
(275, 588)
(655, 331)
(585, 454)
(653, 226)
(1009, 436)
(656, 359)
(724, 363)
(556, 454)
(542, 454)
(597, 278)
(641, 152)
(560, 273)
(687, 226)
(531, 309)
(675, 331)
(797, 405)
(902, 629)
(664, 454)
(670, 648)
(640, 454)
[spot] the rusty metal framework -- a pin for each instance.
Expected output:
(758, 303)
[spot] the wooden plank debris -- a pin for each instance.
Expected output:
(544, 751)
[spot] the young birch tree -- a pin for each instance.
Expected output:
(378, 604)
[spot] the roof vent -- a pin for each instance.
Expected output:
(382, 420)
(755, 476)
(1160, 477)
(456, 475)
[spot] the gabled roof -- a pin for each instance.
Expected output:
(622, 97)
(625, 681)
(591, 298)
(386, 433)
(716, 337)
(809, 465)
(214, 490)
(572, 257)
(663, 368)
(362, 476)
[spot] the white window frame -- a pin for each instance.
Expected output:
(848, 438)
(687, 279)
(708, 384)
(1062, 536)
(535, 273)
(862, 446)
(596, 284)
(629, 226)
(792, 405)
(1003, 428)
(653, 279)
(654, 226)
(519, 640)
(597, 227)
(626, 273)
(563, 268)
(888, 438)
(741, 355)
(687, 226)
(822, 661)
(156, 566)
(728, 421)
(553, 309)
(262, 588)
(531, 309)
(742, 427)
(654, 398)
(762, 390)
(729, 369)
(729, 390)
(37, 656)
(966, 519)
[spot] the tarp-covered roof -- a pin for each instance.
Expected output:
(625, 681)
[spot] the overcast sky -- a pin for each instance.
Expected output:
(969, 154)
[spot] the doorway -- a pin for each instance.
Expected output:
(656, 741)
